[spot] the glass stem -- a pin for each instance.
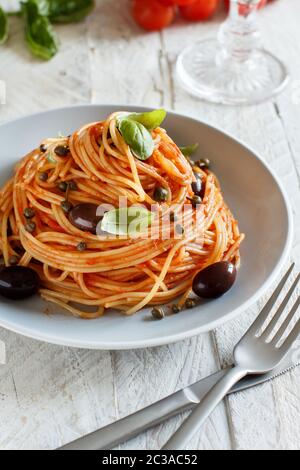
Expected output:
(239, 36)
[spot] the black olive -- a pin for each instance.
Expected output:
(197, 186)
(62, 186)
(43, 148)
(30, 227)
(43, 176)
(62, 150)
(66, 206)
(160, 194)
(29, 213)
(84, 217)
(18, 282)
(215, 280)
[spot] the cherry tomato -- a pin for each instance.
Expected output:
(152, 15)
(199, 10)
(176, 2)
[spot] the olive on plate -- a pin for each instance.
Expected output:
(18, 282)
(84, 216)
(215, 280)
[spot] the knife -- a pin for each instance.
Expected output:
(129, 427)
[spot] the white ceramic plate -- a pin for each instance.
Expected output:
(250, 188)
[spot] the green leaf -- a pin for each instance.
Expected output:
(132, 221)
(137, 137)
(69, 11)
(150, 120)
(39, 34)
(189, 151)
(3, 26)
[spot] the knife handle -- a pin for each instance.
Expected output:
(129, 427)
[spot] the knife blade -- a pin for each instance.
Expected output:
(129, 427)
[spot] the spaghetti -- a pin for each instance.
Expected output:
(123, 273)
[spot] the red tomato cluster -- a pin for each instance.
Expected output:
(154, 15)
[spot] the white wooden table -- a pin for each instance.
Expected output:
(50, 394)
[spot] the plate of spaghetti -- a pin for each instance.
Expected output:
(124, 227)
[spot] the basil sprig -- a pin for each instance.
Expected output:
(137, 137)
(3, 26)
(190, 150)
(38, 15)
(131, 221)
(150, 120)
(39, 34)
(135, 129)
(69, 11)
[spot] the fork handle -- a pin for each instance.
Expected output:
(192, 424)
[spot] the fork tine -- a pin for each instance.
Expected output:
(280, 310)
(279, 335)
(268, 307)
(291, 339)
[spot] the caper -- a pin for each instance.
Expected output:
(195, 200)
(158, 313)
(66, 206)
(43, 148)
(190, 303)
(179, 229)
(73, 186)
(62, 150)
(204, 164)
(62, 186)
(160, 194)
(13, 260)
(30, 226)
(82, 246)
(173, 217)
(29, 213)
(176, 308)
(43, 176)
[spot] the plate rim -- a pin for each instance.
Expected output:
(174, 338)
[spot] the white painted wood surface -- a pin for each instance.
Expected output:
(49, 394)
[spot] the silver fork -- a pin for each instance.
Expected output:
(258, 352)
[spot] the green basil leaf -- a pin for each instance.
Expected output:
(137, 137)
(189, 151)
(132, 221)
(69, 11)
(40, 36)
(150, 120)
(3, 26)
